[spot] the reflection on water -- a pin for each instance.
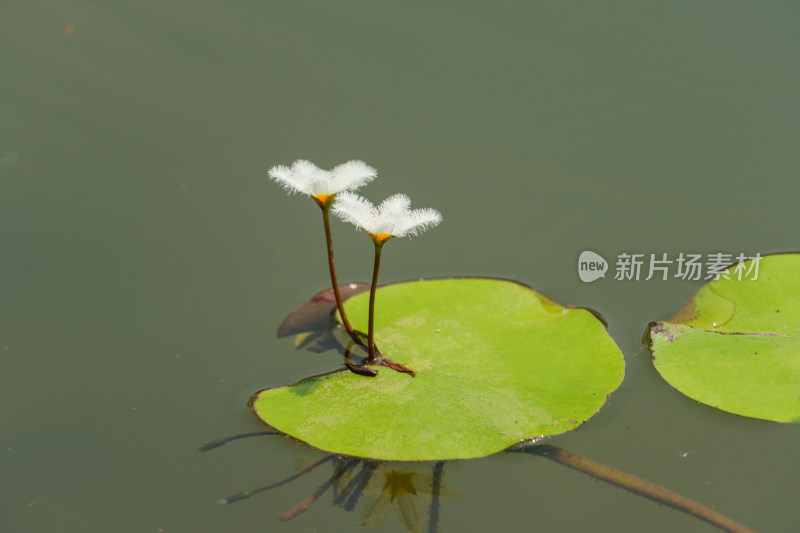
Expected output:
(408, 492)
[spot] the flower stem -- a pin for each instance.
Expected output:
(346, 323)
(371, 332)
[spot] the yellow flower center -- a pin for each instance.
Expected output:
(380, 238)
(324, 200)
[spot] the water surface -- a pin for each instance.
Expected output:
(147, 260)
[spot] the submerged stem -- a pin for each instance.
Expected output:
(372, 289)
(305, 504)
(247, 493)
(634, 484)
(225, 440)
(436, 489)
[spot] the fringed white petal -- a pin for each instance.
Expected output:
(354, 209)
(307, 178)
(392, 216)
(299, 178)
(420, 220)
(351, 175)
(395, 205)
(314, 179)
(305, 169)
(283, 175)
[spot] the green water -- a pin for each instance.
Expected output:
(147, 260)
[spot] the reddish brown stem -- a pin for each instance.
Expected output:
(372, 289)
(327, 222)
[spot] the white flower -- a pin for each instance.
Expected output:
(393, 218)
(307, 178)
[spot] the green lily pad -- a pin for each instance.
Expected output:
(496, 364)
(736, 344)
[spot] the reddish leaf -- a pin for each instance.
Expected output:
(316, 314)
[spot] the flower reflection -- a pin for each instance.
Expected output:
(403, 494)
(408, 494)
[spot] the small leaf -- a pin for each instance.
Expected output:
(496, 364)
(316, 314)
(736, 344)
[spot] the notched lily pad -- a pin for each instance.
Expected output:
(496, 364)
(736, 344)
